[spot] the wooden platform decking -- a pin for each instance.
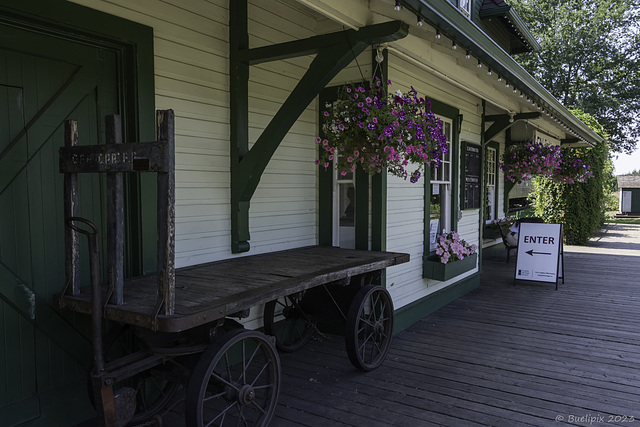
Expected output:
(503, 355)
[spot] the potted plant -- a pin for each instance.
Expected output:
(453, 257)
(370, 129)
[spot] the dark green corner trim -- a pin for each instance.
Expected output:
(334, 52)
(362, 210)
(418, 310)
(379, 180)
(503, 122)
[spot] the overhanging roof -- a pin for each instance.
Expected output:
(514, 23)
(444, 16)
(628, 181)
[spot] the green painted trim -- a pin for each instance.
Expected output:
(334, 52)
(238, 123)
(325, 179)
(418, 310)
(445, 16)
(379, 212)
(463, 172)
(496, 147)
(134, 44)
(379, 181)
(452, 113)
(434, 269)
(362, 209)
(504, 121)
(516, 20)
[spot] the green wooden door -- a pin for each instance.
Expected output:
(43, 81)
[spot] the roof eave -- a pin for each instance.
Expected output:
(454, 24)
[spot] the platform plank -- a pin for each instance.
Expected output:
(502, 355)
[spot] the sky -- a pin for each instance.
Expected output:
(626, 163)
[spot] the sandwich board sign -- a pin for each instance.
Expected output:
(539, 256)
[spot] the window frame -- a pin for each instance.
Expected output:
(495, 147)
(453, 114)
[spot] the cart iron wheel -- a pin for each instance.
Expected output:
(369, 327)
(285, 319)
(235, 382)
(152, 391)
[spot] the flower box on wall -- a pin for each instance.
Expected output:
(434, 269)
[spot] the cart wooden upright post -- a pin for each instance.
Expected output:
(180, 319)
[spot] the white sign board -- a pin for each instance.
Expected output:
(539, 249)
(434, 226)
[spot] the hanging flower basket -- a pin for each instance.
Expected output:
(453, 257)
(534, 159)
(367, 128)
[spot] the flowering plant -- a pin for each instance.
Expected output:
(501, 222)
(368, 128)
(525, 161)
(451, 247)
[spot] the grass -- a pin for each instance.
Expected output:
(623, 220)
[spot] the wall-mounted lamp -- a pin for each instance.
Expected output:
(398, 6)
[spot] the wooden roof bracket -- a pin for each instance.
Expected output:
(503, 122)
(333, 53)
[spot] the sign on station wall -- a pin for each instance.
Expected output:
(539, 255)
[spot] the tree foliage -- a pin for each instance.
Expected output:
(589, 59)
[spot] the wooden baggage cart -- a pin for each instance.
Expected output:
(179, 323)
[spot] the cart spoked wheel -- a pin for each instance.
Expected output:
(152, 392)
(235, 382)
(369, 327)
(285, 319)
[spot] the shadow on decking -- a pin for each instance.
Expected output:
(504, 354)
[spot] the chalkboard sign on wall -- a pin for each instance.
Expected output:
(472, 175)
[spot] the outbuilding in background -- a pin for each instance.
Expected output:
(629, 197)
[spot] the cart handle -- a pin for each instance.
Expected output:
(91, 234)
(96, 296)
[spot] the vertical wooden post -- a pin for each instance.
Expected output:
(166, 214)
(115, 218)
(71, 241)
(239, 123)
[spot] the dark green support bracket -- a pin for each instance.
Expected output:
(333, 53)
(503, 122)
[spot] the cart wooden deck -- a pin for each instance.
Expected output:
(211, 291)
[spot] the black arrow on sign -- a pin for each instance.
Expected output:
(531, 252)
